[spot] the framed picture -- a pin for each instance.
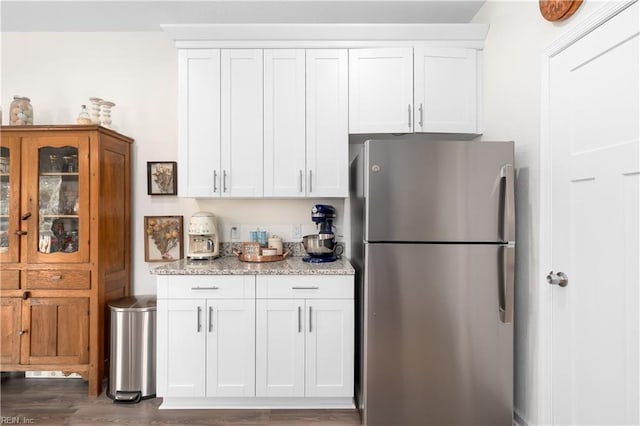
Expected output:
(162, 178)
(163, 238)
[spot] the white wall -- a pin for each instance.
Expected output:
(512, 63)
(137, 71)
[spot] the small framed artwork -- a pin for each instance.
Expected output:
(163, 238)
(162, 178)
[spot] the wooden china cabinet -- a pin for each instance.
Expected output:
(65, 246)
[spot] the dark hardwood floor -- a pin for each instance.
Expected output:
(65, 402)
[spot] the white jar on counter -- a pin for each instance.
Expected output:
(21, 112)
(276, 243)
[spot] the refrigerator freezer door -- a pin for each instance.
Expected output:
(450, 191)
(436, 350)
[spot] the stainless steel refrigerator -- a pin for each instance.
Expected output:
(433, 236)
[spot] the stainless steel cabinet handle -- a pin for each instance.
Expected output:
(224, 181)
(508, 228)
(409, 110)
(420, 123)
(310, 319)
(210, 319)
(560, 279)
(56, 277)
(312, 287)
(299, 319)
(199, 323)
(310, 181)
(300, 180)
(213, 287)
(215, 181)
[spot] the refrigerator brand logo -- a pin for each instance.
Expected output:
(375, 168)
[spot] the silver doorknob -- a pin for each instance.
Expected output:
(561, 279)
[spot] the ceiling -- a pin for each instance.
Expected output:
(148, 15)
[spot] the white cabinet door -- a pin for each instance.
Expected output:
(199, 121)
(181, 348)
(280, 347)
(446, 90)
(327, 132)
(230, 329)
(329, 348)
(381, 90)
(241, 122)
(284, 123)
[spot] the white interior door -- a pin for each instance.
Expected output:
(594, 122)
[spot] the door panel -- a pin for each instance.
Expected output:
(230, 347)
(284, 125)
(594, 132)
(10, 326)
(329, 348)
(241, 122)
(436, 191)
(280, 347)
(436, 350)
(57, 330)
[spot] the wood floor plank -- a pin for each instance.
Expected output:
(65, 402)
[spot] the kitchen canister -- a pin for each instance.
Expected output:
(21, 111)
(276, 243)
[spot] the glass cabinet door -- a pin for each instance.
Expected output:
(9, 199)
(62, 201)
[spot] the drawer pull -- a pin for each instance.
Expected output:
(205, 288)
(311, 287)
(21, 233)
(56, 277)
(21, 332)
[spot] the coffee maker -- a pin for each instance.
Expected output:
(203, 236)
(322, 247)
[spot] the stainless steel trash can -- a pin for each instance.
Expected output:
(132, 366)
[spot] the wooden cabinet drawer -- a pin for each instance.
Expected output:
(9, 280)
(59, 280)
(304, 287)
(206, 286)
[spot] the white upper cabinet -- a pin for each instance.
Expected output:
(241, 122)
(306, 138)
(421, 89)
(284, 122)
(199, 122)
(446, 90)
(327, 123)
(381, 90)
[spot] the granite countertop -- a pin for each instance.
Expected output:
(231, 265)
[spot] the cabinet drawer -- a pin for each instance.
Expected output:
(59, 279)
(304, 287)
(9, 280)
(206, 286)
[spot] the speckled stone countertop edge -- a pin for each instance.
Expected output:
(231, 265)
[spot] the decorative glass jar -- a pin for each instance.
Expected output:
(21, 112)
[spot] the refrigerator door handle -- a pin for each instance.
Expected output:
(508, 207)
(507, 278)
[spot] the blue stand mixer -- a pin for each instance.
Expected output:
(322, 247)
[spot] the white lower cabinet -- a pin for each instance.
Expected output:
(206, 345)
(304, 336)
(255, 341)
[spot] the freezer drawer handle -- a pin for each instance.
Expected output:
(311, 287)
